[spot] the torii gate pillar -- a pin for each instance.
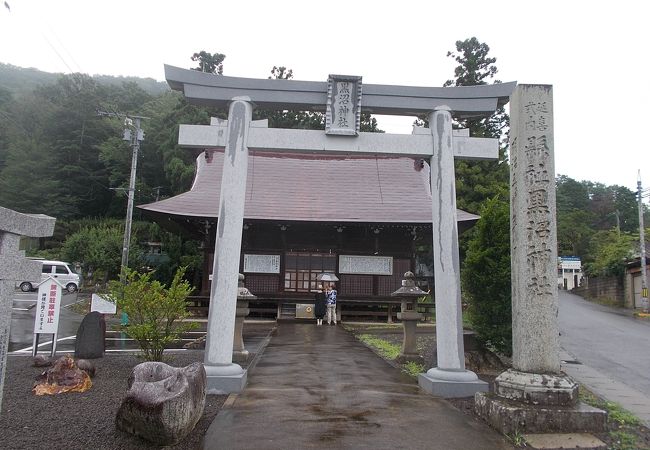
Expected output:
(224, 376)
(449, 378)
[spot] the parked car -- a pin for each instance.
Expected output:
(64, 273)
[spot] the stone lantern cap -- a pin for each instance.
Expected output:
(242, 291)
(409, 288)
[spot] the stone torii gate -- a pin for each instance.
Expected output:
(341, 98)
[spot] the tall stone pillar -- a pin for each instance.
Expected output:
(449, 378)
(533, 236)
(223, 376)
(545, 399)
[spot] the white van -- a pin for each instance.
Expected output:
(62, 271)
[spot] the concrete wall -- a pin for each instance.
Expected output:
(609, 289)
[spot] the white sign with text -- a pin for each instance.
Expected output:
(102, 305)
(366, 265)
(48, 307)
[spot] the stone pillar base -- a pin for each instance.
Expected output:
(451, 383)
(537, 389)
(240, 356)
(509, 417)
(225, 379)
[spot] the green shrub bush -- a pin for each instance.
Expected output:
(155, 312)
(486, 277)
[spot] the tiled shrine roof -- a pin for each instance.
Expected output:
(315, 188)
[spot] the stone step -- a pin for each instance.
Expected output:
(580, 441)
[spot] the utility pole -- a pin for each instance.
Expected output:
(644, 277)
(134, 135)
(157, 189)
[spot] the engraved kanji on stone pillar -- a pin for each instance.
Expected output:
(535, 396)
(533, 233)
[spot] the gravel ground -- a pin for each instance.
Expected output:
(85, 420)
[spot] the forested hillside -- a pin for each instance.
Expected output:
(59, 157)
(18, 80)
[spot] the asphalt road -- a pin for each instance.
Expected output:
(608, 339)
(22, 319)
(22, 327)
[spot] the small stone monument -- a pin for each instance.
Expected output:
(409, 294)
(14, 267)
(91, 333)
(535, 396)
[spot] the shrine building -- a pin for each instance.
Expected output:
(365, 219)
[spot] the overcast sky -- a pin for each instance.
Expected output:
(594, 53)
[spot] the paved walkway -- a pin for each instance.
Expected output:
(318, 387)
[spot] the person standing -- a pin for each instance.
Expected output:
(320, 305)
(331, 304)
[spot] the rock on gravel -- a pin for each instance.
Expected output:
(82, 421)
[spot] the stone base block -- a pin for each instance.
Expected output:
(220, 380)
(537, 389)
(509, 417)
(576, 441)
(451, 388)
(240, 356)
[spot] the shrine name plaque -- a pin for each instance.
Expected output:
(366, 265)
(262, 263)
(343, 112)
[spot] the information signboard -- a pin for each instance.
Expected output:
(102, 305)
(48, 307)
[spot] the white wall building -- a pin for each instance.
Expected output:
(569, 272)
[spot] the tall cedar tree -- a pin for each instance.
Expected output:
(483, 187)
(477, 181)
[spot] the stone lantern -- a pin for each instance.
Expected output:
(239, 353)
(409, 294)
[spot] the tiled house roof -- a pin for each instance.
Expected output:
(315, 188)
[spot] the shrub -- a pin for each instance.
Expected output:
(155, 312)
(486, 277)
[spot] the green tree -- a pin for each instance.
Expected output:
(477, 181)
(156, 313)
(486, 277)
(574, 232)
(474, 65)
(609, 251)
(209, 62)
(571, 194)
(99, 250)
(574, 219)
